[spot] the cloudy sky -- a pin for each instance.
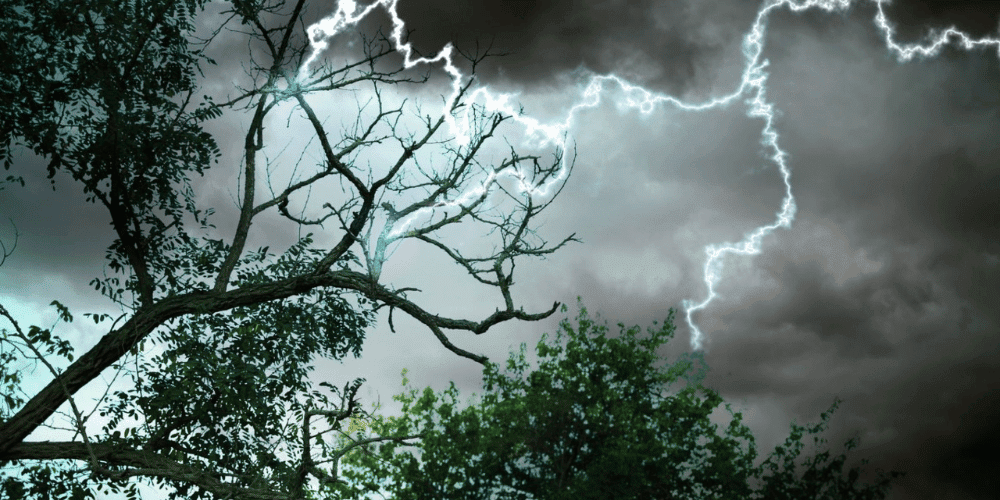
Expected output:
(878, 294)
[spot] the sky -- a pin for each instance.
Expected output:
(878, 293)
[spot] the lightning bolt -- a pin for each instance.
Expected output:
(753, 85)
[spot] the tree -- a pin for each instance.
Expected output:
(596, 419)
(213, 333)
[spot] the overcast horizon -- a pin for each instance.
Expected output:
(878, 294)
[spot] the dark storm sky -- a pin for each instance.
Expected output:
(882, 293)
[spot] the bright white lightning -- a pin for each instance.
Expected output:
(753, 84)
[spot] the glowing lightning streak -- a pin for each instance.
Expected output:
(754, 80)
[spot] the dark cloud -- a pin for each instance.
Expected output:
(894, 168)
(883, 292)
(915, 18)
(55, 245)
(666, 45)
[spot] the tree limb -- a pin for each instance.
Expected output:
(137, 463)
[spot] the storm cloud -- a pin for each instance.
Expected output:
(882, 293)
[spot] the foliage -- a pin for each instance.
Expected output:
(209, 391)
(597, 419)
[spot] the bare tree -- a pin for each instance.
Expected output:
(107, 92)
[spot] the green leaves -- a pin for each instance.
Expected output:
(231, 385)
(45, 481)
(823, 477)
(207, 110)
(598, 418)
(63, 311)
(94, 87)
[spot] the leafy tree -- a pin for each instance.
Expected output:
(596, 419)
(215, 341)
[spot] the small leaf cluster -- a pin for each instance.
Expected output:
(10, 375)
(56, 481)
(16, 350)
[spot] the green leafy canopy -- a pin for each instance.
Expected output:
(599, 417)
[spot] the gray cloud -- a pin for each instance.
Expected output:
(883, 292)
(665, 45)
